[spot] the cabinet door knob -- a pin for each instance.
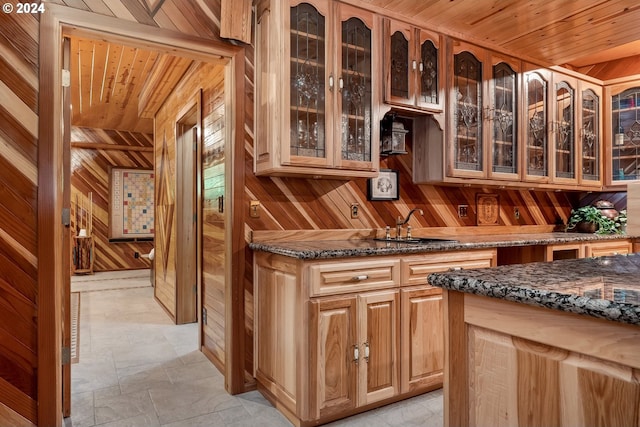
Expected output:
(340, 84)
(356, 353)
(331, 82)
(421, 67)
(414, 65)
(360, 278)
(366, 351)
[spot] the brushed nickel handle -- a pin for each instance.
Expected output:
(360, 277)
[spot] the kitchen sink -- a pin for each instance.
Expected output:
(417, 240)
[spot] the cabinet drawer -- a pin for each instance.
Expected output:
(607, 248)
(416, 269)
(344, 277)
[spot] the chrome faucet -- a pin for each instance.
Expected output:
(400, 222)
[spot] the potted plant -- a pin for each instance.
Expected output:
(589, 219)
(621, 220)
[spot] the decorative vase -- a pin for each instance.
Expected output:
(607, 209)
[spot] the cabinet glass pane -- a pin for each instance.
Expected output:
(564, 131)
(590, 135)
(536, 103)
(505, 103)
(399, 65)
(429, 73)
(467, 112)
(356, 91)
(307, 118)
(625, 119)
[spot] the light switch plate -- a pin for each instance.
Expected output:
(254, 209)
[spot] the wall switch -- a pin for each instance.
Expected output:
(355, 210)
(254, 209)
(516, 213)
(463, 211)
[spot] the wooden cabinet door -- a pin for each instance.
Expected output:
(594, 249)
(422, 338)
(622, 142)
(466, 153)
(430, 80)
(590, 134)
(503, 109)
(399, 63)
(334, 355)
(535, 121)
(563, 110)
(378, 326)
(356, 133)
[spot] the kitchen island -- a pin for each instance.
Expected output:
(543, 343)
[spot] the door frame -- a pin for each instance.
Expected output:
(56, 21)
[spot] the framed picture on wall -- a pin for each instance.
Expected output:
(385, 186)
(131, 204)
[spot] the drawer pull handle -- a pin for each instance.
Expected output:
(360, 278)
(455, 268)
(615, 253)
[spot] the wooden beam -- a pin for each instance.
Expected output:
(235, 20)
(103, 146)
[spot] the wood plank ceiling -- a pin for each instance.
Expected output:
(577, 34)
(120, 87)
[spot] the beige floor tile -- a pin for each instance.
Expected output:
(137, 368)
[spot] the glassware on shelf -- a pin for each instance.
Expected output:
(303, 134)
(313, 141)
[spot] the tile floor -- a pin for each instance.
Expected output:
(137, 368)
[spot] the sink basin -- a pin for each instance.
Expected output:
(417, 240)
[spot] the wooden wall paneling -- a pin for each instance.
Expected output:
(90, 174)
(200, 76)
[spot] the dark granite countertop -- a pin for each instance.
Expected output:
(321, 249)
(605, 287)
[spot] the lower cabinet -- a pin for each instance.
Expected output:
(615, 247)
(422, 338)
(378, 339)
(354, 351)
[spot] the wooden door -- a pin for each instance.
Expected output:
(378, 337)
(422, 338)
(66, 238)
(187, 136)
(334, 356)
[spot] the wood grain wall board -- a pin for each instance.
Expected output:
(16, 136)
(18, 84)
(20, 32)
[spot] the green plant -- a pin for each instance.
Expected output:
(621, 220)
(591, 214)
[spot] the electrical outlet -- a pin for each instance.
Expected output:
(516, 213)
(463, 211)
(355, 210)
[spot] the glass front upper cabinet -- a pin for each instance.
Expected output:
(503, 113)
(625, 135)
(308, 63)
(536, 86)
(466, 107)
(355, 90)
(564, 132)
(412, 66)
(590, 136)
